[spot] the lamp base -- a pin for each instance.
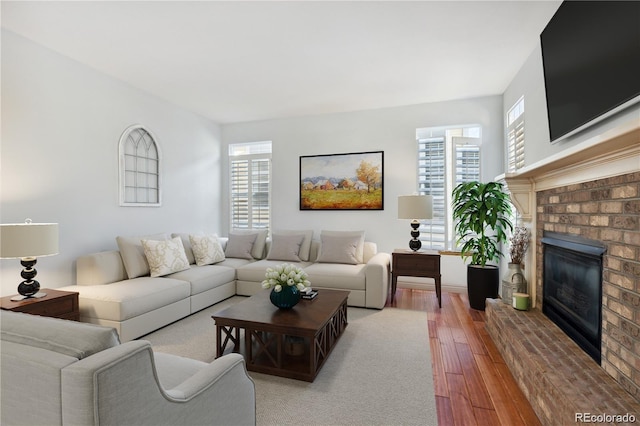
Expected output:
(19, 297)
(415, 243)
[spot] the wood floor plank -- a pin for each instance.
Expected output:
(445, 412)
(477, 389)
(518, 398)
(486, 417)
(437, 364)
(459, 396)
(502, 402)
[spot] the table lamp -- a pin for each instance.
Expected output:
(415, 207)
(26, 241)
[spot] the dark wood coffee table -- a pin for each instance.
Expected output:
(291, 343)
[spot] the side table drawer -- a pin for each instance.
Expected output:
(417, 263)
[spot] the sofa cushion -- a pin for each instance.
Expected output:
(100, 268)
(257, 251)
(234, 263)
(130, 298)
(255, 271)
(206, 277)
(240, 246)
(305, 247)
(133, 256)
(339, 249)
(285, 247)
(339, 276)
(206, 249)
(71, 338)
(165, 257)
(359, 256)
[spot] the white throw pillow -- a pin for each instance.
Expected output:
(132, 253)
(339, 249)
(257, 251)
(240, 246)
(165, 257)
(286, 247)
(358, 234)
(206, 249)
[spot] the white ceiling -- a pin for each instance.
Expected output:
(243, 61)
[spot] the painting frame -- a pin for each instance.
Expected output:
(345, 181)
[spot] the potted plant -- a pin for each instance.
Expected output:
(481, 213)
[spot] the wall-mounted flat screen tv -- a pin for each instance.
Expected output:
(591, 61)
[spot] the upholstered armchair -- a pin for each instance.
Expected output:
(59, 372)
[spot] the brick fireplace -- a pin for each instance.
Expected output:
(590, 191)
(606, 210)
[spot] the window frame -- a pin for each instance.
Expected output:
(515, 136)
(124, 168)
(250, 153)
(455, 140)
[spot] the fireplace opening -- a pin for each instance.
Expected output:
(572, 288)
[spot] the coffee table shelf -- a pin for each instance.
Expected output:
(315, 325)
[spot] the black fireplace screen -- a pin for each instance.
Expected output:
(572, 288)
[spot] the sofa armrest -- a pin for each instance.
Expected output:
(377, 272)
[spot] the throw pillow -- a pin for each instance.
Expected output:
(305, 247)
(240, 246)
(339, 249)
(358, 234)
(165, 257)
(135, 262)
(286, 247)
(206, 249)
(257, 251)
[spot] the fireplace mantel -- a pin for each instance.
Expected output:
(611, 153)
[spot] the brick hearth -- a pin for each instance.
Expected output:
(555, 374)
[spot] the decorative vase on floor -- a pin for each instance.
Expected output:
(286, 298)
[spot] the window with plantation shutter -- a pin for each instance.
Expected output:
(250, 181)
(446, 157)
(515, 136)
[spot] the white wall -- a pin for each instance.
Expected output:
(392, 130)
(61, 123)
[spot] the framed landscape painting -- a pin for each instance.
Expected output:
(342, 181)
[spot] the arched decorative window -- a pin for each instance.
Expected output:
(139, 168)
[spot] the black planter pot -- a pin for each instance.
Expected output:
(482, 283)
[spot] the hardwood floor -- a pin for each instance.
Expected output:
(473, 385)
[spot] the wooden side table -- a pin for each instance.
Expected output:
(423, 263)
(56, 304)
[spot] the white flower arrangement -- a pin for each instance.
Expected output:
(285, 274)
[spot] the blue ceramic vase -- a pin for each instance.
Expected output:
(286, 298)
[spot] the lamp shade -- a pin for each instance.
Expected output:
(18, 240)
(415, 207)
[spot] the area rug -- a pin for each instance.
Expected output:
(379, 372)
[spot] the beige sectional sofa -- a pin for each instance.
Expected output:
(58, 372)
(118, 288)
